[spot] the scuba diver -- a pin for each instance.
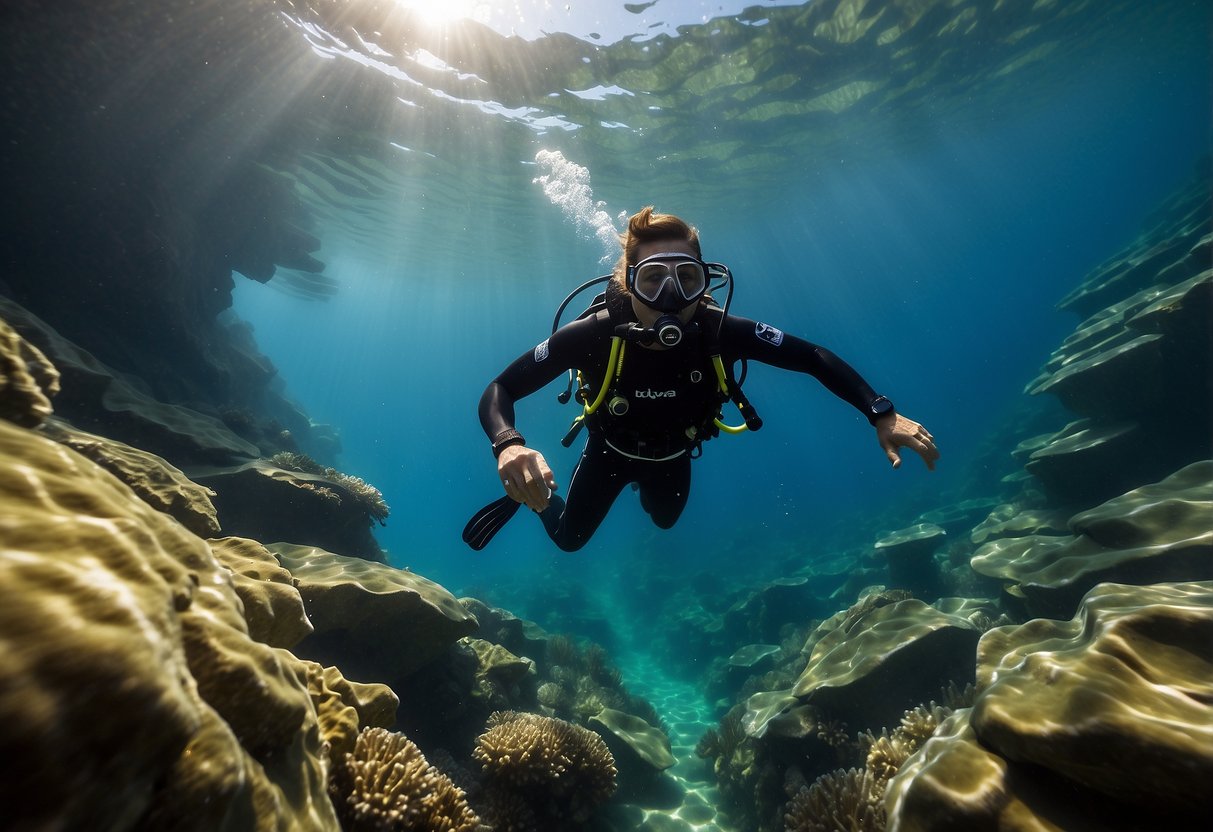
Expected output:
(655, 357)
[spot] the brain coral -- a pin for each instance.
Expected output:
(563, 763)
(387, 785)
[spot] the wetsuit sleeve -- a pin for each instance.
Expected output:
(743, 338)
(530, 371)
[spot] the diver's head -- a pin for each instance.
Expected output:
(661, 270)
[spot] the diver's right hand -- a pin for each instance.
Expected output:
(526, 477)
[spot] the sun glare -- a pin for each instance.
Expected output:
(437, 12)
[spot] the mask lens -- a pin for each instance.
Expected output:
(651, 275)
(649, 279)
(691, 279)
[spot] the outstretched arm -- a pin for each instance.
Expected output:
(744, 338)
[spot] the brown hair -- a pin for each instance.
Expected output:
(646, 226)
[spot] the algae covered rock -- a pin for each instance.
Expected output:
(158, 483)
(1100, 722)
(1157, 532)
(648, 743)
(273, 608)
(1118, 699)
(120, 631)
(908, 553)
(886, 661)
(373, 621)
(264, 501)
(96, 397)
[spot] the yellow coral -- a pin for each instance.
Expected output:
(387, 784)
(568, 764)
(843, 801)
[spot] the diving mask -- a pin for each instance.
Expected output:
(669, 281)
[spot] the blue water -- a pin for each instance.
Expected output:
(931, 265)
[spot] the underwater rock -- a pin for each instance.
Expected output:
(373, 621)
(1009, 520)
(955, 784)
(1138, 367)
(97, 398)
(908, 553)
(886, 661)
(519, 636)
(1084, 463)
(273, 608)
(343, 707)
(263, 501)
(1135, 662)
(759, 616)
(780, 714)
(1158, 532)
(1179, 238)
(28, 380)
(159, 484)
(121, 630)
(958, 516)
(754, 657)
(647, 743)
(499, 675)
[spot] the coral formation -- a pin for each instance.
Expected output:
(843, 801)
(263, 501)
(387, 784)
(1156, 532)
(648, 743)
(373, 621)
(908, 554)
(28, 380)
(273, 608)
(565, 770)
(369, 496)
(96, 396)
(869, 671)
(158, 483)
(342, 707)
(101, 593)
(1135, 662)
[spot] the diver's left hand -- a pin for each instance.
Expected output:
(895, 432)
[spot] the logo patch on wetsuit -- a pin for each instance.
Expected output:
(656, 394)
(769, 333)
(541, 352)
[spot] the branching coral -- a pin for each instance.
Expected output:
(887, 752)
(844, 801)
(568, 769)
(387, 785)
(369, 496)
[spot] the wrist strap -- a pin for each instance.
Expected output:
(505, 439)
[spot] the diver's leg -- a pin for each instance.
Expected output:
(664, 489)
(597, 480)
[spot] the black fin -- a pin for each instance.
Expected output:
(488, 521)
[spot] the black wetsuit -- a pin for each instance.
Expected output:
(668, 392)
